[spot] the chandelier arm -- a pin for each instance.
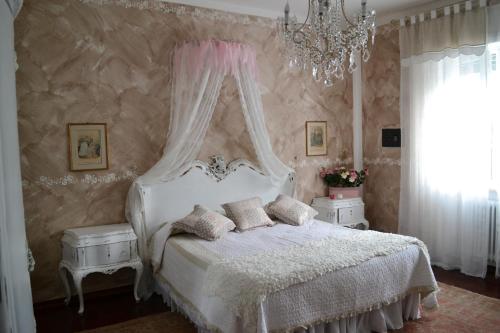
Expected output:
(307, 44)
(344, 14)
(307, 17)
(327, 46)
(294, 34)
(330, 53)
(316, 50)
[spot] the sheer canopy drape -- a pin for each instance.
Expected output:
(199, 69)
(450, 125)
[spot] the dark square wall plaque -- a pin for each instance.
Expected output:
(391, 137)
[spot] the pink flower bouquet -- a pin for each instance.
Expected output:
(343, 177)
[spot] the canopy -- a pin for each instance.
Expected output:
(199, 69)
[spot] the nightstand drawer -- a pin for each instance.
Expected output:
(108, 254)
(327, 215)
(99, 254)
(350, 214)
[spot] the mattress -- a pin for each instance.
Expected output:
(186, 258)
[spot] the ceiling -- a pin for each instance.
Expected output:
(386, 9)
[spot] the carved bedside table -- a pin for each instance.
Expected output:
(103, 249)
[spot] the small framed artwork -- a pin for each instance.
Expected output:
(88, 147)
(316, 139)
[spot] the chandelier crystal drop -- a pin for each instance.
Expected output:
(328, 40)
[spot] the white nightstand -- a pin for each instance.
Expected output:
(103, 249)
(346, 212)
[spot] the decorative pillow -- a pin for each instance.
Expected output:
(247, 214)
(205, 223)
(268, 211)
(290, 211)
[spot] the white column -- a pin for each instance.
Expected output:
(16, 304)
(357, 116)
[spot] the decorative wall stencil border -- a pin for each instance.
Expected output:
(382, 161)
(318, 163)
(88, 178)
(182, 10)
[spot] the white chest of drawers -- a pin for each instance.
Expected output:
(103, 249)
(345, 212)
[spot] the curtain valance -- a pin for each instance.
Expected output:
(452, 34)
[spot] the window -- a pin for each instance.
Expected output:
(461, 123)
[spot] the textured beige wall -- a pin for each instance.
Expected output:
(381, 110)
(88, 63)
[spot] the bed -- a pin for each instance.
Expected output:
(376, 293)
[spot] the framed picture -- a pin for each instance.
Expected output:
(316, 139)
(88, 147)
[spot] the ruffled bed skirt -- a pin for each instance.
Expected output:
(387, 317)
(390, 316)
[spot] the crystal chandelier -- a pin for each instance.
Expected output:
(327, 38)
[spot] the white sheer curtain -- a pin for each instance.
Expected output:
(198, 73)
(14, 6)
(16, 304)
(450, 125)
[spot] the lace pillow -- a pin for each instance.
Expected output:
(290, 211)
(247, 214)
(205, 223)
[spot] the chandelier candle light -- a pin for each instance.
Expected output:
(327, 38)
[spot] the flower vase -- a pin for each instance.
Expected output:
(344, 192)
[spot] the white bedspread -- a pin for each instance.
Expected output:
(376, 282)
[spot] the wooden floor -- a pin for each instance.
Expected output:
(103, 308)
(489, 286)
(118, 305)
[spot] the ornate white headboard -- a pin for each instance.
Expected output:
(210, 185)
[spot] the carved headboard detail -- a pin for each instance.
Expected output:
(219, 170)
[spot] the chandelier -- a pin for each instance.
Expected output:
(324, 41)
